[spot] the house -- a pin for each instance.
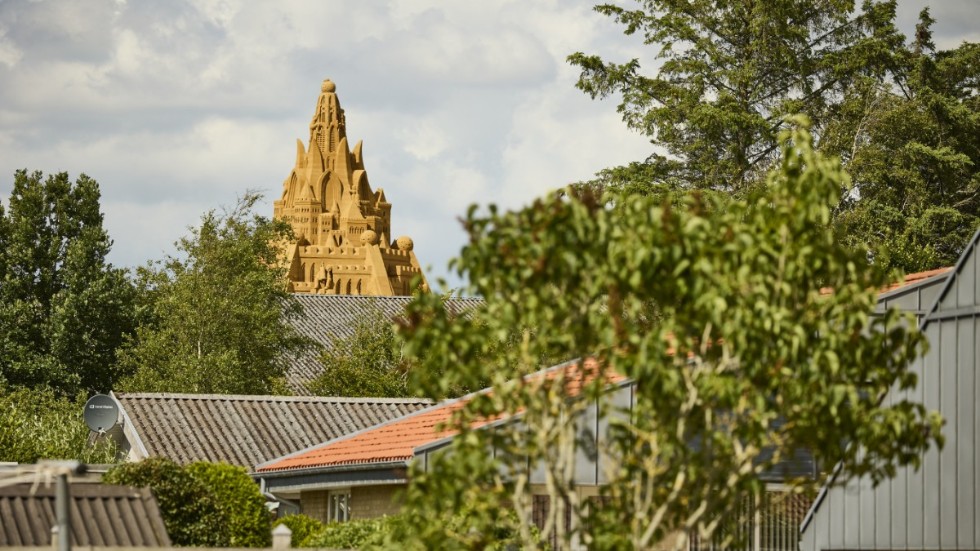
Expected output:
(326, 318)
(101, 515)
(934, 506)
(243, 430)
(357, 476)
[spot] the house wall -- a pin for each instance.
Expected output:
(916, 299)
(314, 504)
(934, 507)
(375, 501)
(365, 502)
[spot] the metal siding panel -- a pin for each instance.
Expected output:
(965, 400)
(853, 515)
(950, 300)
(976, 280)
(868, 514)
(883, 499)
(966, 281)
(835, 520)
(927, 515)
(976, 431)
(909, 301)
(930, 293)
(947, 460)
(897, 503)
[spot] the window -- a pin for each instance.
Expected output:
(338, 506)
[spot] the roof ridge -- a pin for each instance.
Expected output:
(270, 398)
(368, 298)
(445, 404)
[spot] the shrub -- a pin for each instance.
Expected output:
(36, 424)
(305, 529)
(191, 515)
(237, 496)
(355, 534)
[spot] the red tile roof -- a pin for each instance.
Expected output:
(397, 440)
(915, 278)
(909, 279)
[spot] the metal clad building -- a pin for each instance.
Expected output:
(934, 507)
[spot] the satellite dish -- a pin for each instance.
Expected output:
(101, 412)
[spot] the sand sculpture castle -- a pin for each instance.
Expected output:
(342, 227)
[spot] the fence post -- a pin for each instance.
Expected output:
(281, 536)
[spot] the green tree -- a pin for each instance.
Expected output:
(912, 148)
(37, 424)
(727, 73)
(902, 117)
(64, 310)
(203, 504)
(188, 506)
(217, 311)
(743, 358)
(246, 520)
(369, 362)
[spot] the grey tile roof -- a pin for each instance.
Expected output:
(101, 515)
(248, 430)
(326, 316)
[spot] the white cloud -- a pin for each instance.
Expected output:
(10, 54)
(177, 107)
(425, 140)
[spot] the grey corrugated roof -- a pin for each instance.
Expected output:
(326, 316)
(101, 515)
(248, 430)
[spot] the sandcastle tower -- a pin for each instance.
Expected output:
(342, 227)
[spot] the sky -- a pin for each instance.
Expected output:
(180, 107)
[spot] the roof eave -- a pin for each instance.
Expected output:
(325, 469)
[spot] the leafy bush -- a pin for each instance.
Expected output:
(36, 424)
(355, 534)
(190, 513)
(237, 496)
(304, 528)
(389, 532)
(203, 504)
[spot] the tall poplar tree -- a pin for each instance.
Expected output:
(64, 309)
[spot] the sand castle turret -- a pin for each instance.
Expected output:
(343, 228)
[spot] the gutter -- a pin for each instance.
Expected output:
(348, 467)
